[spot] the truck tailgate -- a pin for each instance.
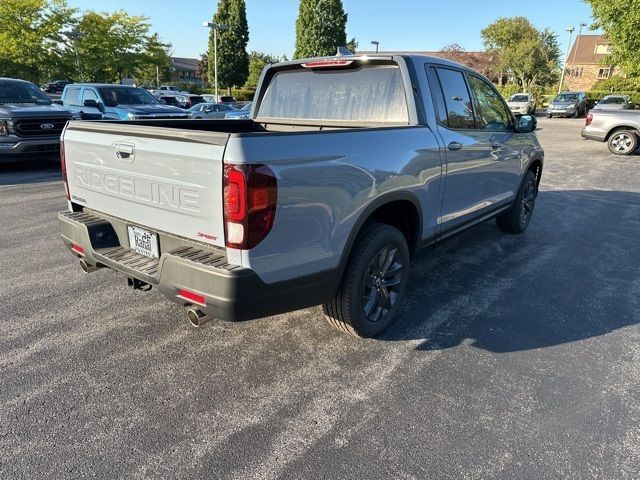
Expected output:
(170, 179)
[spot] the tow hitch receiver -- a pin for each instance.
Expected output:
(138, 284)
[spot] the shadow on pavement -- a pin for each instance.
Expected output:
(573, 275)
(31, 171)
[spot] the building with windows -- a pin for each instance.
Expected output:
(183, 70)
(585, 64)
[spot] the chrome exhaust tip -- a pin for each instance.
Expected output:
(197, 317)
(87, 267)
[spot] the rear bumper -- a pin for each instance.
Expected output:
(231, 292)
(591, 135)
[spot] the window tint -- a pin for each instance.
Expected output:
(438, 98)
(367, 94)
(457, 99)
(89, 94)
(491, 113)
(72, 96)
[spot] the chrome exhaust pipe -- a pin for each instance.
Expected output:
(197, 317)
(87, 267)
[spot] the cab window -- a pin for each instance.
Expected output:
(491, 113)
(89, 94)
(456, 98)
(72, 97)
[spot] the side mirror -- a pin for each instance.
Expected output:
(93, 104)
(162, 101)
(526, 124)
(596, 102)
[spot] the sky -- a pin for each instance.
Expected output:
(398, 25)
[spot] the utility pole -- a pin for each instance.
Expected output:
(376, 43)
(566, 58)
(215, 28)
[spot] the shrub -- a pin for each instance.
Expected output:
(617, 84)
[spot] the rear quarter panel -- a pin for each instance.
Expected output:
(326, 180)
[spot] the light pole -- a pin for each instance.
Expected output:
(575, 50)
(215, 28)
(564, 68)
(376, 43)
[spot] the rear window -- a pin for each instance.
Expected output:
(368, 94)
(72, 96)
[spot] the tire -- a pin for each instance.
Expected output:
(622, 142)
(373, 283)
(517, 218)
(576, 113)
(548, 116)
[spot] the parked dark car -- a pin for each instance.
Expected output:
(56, 86)
(185, 101)
(94, 101)
(568, 104)
(30, 124)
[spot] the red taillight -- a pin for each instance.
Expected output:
(250, 197)
(589, 119)
(192, 297)
(77, 248)
(63, 167)
(327, 63)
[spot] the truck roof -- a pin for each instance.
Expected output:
(100, 85)
(388, 57)
(5, 79)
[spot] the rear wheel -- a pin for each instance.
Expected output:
(373, 283)
(622, 142)
(517, 218)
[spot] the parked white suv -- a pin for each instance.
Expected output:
(522, 104)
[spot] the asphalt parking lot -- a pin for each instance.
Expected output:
(515, 357)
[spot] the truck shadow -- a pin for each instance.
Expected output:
(572, 276)
(31, 171)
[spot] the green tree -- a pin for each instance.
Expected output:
(619, 19)
(527, 53)
(32, 43)
(112, 46)
(202, 70)
(233, 61)
(155, 63)
(320, 28)
(257, 62)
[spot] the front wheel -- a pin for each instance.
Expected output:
(517, 218)
(373, 283)
(622, 142)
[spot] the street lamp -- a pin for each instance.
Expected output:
(215, 27)
(376, 43)
(575, 50)
(564, 68)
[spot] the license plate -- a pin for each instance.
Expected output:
(143, 242)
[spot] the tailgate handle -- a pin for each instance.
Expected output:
(125, 151)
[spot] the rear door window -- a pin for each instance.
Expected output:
(72, 97)
(457, 98)
(371, 94)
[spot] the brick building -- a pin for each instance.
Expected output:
(585, 62)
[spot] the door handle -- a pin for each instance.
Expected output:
(455, 146)
(125, 151)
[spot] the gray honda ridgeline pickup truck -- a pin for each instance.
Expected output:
(347, 167)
